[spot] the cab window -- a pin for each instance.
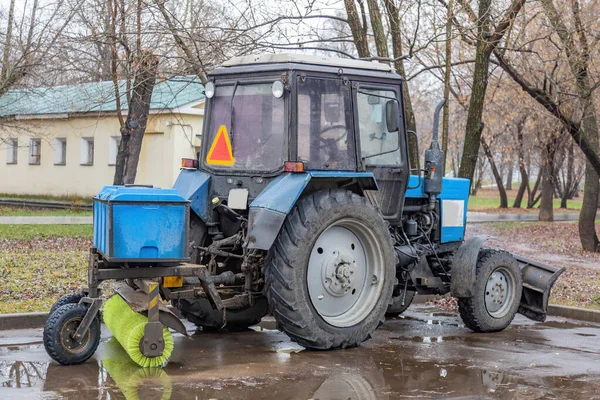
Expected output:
(378, 145)
(325, 139)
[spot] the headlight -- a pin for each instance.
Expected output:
(209, 90)
(278, 88)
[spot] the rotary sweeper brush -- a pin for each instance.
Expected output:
(302, 202)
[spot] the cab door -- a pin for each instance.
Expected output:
(382, 147)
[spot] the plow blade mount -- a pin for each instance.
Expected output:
(138, 301)
(538, 280)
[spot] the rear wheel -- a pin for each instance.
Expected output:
(497, 292)
(327, 281)
(201, 313)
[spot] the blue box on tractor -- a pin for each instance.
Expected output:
(141, 224)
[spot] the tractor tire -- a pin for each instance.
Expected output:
(202, 314)
(58, 343)
(396, 308)
(71, 298)
(497, 292)
(328, 278)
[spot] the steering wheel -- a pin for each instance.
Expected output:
(330, 128)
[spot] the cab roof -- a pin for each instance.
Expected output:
(298, 58)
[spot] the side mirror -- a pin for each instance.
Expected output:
(392, 115)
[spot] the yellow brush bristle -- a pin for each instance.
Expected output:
(127, 326)
(129, 377)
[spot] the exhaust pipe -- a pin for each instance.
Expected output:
(434, 162)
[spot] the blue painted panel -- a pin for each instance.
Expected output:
(417, 192)
(281, 194)
(149, 231)
(193, 185)
(139, 222)
(452, 189)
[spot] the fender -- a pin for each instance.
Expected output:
(463, 266)
(268, 211)
(193, 185)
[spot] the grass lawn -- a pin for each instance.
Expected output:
(488, 200)
(35, 212)
(40, 263)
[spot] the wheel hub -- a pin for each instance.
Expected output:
(67, 336)
(338, 270)
(344, 273)
(498, 292)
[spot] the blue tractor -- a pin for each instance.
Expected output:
(303, 204)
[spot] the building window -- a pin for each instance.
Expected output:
(60, 151)
(35, 151)
(87, 151)
(12, 150)
(113, 149)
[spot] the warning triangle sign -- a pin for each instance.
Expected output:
(220, 151)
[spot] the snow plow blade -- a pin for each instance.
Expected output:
(538, 280)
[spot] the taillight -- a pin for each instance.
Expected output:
(189, 163)
(293, 166)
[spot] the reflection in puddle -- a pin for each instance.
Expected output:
(233, 369)
(345, 386)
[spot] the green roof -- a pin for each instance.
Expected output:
(96, 97)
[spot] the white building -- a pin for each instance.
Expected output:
(63, 140)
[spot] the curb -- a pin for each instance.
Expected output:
(581, 314)
(22, 320)
(35, 320)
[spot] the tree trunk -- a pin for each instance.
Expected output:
(447, 70)
(567, 190)
(532, 200)
(546, 210)
(509, 174)
(359, 33)
(480, 75)
(132, 132)
(378, 32)
(496, 173)
(7, 41)
(522, 170)
(397, 49)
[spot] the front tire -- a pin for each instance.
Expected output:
(497, 293)
(328, 279)
(58, 331)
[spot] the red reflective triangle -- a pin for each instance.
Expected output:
(220, 152)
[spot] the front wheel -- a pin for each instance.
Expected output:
(328, 283)
(58, 335)
(497, 293)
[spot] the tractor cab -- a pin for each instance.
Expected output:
(333, 118)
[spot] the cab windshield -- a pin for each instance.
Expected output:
(254, 122)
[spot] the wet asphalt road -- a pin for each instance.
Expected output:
(425, 354)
